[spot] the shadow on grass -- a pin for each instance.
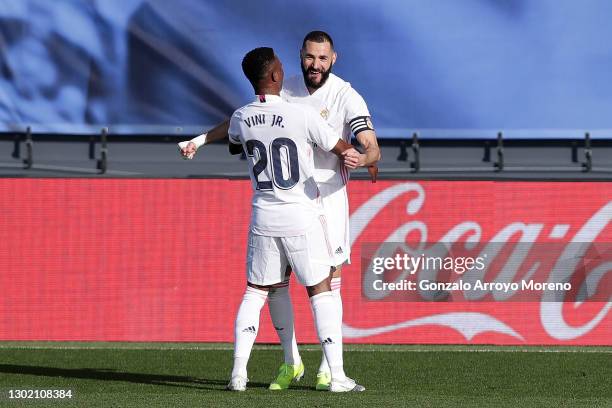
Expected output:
(102, 374)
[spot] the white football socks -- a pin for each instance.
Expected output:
(329, 330)
(335, 287)
(281, 311)
(246, 328)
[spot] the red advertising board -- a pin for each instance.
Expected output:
(164, 260)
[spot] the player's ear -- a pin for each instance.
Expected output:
(276, 75)
(334, 56)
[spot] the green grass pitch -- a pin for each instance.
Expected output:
(195, 375)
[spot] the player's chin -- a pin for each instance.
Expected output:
(315, 78)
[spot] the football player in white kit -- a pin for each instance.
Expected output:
(347, 113)
(288, 228)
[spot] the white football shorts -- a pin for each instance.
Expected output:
(308, 255)
(335, 207)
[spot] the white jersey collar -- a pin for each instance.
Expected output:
(267, 98)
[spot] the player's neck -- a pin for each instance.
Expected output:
(268, 91)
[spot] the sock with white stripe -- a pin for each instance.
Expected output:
(335, 286)
(329, 330)
(281, 311)
(246, 328)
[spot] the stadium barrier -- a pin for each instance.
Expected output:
(164, 260)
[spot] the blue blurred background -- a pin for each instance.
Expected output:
(447, 68)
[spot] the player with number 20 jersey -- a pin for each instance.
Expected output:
(278, 138)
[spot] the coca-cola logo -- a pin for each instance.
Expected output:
(470, 232)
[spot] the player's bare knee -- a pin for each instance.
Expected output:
(336, 271)
(323, 286)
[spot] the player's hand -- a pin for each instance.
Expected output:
(373, 170)
(352, 158)
(187, 149)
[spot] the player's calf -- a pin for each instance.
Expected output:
(245, 332)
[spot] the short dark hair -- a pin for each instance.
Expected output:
(319, 37)
(256, 62)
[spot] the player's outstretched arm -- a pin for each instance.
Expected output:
(188, 148)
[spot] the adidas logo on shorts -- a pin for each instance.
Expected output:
(328, 341)
(339, 251)
(250, 329)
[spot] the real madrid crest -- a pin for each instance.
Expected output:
(324, 113)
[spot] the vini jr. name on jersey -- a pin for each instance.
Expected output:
(260, 120)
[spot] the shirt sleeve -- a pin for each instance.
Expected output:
(357, 115)
(319, 132)
(234, 129)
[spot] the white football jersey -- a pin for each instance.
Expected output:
(278, 138)
(342, 107)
